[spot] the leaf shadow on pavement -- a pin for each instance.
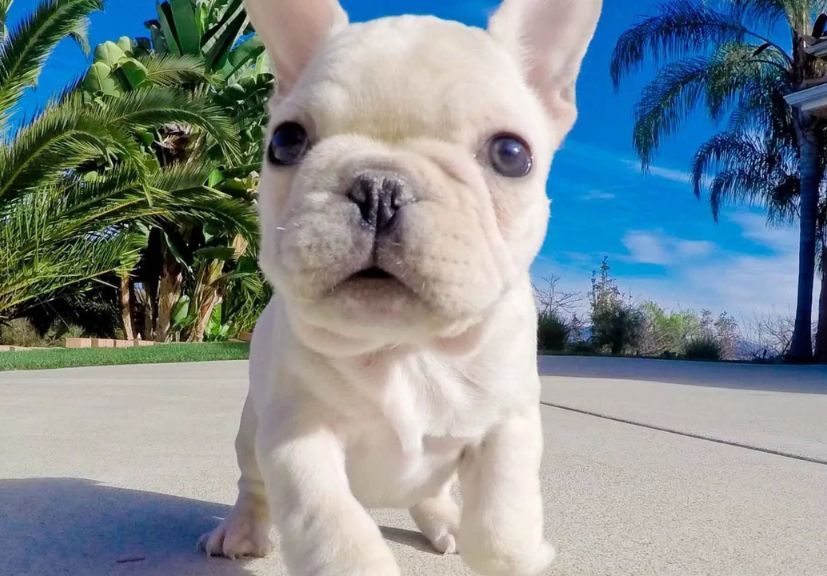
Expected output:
(78, 527)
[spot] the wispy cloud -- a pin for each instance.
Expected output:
(597, 154)
(754, 227)
(646, 248)
(594, 195)
(663, 250)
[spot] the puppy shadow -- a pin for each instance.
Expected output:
(78, 527)
(410, 538)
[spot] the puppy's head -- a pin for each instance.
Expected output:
(404, 185)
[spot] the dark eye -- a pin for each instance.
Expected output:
(288, 144)
(510, 155)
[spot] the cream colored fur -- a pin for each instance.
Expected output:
(381, 393)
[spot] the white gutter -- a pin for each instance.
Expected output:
(809, 100)
(818, 50)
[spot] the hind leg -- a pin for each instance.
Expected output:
(246, 531)
(437, 518)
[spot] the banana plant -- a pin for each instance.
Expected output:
(205, 47)
(239, 81)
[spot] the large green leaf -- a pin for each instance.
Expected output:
(186, 26)
(167, 23)
(109, 53)
(134, 72)
(99, 79)
(242, 55)
(222, 253)
(223, 12)
(219, 51)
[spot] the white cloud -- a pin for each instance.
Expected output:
(591, 154)
(671, 174)
(694, 248)
(662, 250)
(646, 248)
(754, 227)
(598, 195)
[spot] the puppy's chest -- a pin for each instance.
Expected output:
(409, 436)
(420, 400)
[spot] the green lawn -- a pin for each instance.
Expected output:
(159, 354)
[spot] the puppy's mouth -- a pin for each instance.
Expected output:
(373, 273)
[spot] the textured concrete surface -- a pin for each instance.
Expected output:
(118, 470)
(778, 408)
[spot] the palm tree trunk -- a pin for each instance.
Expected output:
(209, 291)
(125, 300)
(821, 337)
(801, 349)
(209, 300)
(169, 292)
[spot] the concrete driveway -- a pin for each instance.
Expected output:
(651, 468)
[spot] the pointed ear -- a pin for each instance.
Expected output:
(548, 38)
(294, 31)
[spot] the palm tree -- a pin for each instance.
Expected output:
(717, 56)
(76, 192)
(205, 48)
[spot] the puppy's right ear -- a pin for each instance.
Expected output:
(294, 31)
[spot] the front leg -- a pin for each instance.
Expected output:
(501, 530)
(246, 531)
(325, 531)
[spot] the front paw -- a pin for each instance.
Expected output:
(238, 535)
(353, 550)
(517, 561)
(324, 562)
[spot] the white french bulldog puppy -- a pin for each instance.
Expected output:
(403, 199)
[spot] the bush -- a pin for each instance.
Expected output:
(704, 348)
(23, 332)
(617, 324)
(666, 334)
(20, 332)
(582, 348)
(552, 332)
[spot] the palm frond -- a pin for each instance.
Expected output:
(40, 275)
(747, 168)
(183, 189)
(25, 49)
(4, 10)
(736, 74)
(60, 139)
(174, 71)
(679, 29)
(721, 80)
(796, 12)
(151, 107)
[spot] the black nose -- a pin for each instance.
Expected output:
(379, 196)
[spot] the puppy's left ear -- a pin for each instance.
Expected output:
(549, 39)
(294, 31)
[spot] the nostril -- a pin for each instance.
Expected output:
(363, 193)
(379, 195)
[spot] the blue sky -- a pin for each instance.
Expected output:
(661, 240)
